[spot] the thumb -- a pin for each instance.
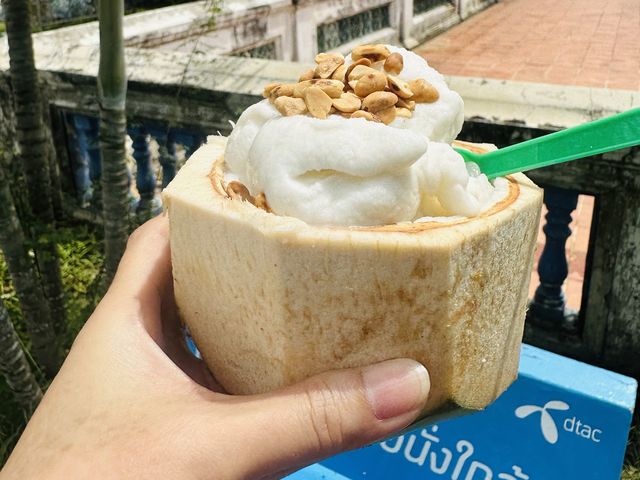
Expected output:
(330, 413)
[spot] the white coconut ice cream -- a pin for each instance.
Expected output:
(354, 172)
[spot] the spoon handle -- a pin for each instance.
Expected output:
(604, 135)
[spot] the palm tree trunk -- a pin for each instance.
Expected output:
(112, 91)
(54, 169)
(15, 367)
(35, 151)
(35, 308)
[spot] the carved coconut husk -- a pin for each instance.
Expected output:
(271, 300)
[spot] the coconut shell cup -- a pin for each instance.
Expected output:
(271, 300)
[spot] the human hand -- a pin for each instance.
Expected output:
(131, 402)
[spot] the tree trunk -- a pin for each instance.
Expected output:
(112, 91)
(54, 169)
(34, 151)
(35, 308)
(15, 367)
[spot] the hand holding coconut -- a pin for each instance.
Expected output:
(131, 402)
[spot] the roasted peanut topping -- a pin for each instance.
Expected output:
(375, 53)
(399, 87)
(268, 88)
(339, 73)
(394, 63)
(238, 191)
(327, 64)
(333, 88)
(308, 75)
(360, 71)
(282, 90)
(423, 91)
(363, 61)
(288, 106)
(370, 82)
(403, 112)
(364, 89)
(408, 104)
(365, 115)
(318, 102)
(377, 101)
(387, 115)
(347, 103)
(261, 202)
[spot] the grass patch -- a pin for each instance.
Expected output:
(630, 473)
(81, 261)
(632, 459)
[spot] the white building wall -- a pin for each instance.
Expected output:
(292, 27)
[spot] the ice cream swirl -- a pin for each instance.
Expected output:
(355, 172)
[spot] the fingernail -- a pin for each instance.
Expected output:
(396, 387)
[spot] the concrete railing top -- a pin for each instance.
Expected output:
(500, 101)
(74, 50)
(539, 105)
(178, 19)
(240, 75)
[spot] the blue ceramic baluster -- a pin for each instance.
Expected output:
(85, 157)
(167, 153)
(145, 176)
(168, 160)
(548, 307)
(193, 143)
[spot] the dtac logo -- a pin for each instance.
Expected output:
(547, 424)
(549, 427)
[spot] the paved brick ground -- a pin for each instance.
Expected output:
(574, 42)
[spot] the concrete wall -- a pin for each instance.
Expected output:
(291, 26)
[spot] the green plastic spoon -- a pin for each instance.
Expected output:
(604, 135)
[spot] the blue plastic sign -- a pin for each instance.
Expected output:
(316, 472)
(560, 420)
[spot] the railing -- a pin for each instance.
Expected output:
(176, 101)
(80, 139)
(340, 32)
(606, 329)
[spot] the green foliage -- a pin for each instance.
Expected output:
(8, 294)
(632, 460)
(630, 473)
(81, 263)
(2, 27)
(214, 7)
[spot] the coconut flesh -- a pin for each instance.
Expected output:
(350, 171)
(271, 298)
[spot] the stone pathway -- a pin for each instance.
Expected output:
(592, 43)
